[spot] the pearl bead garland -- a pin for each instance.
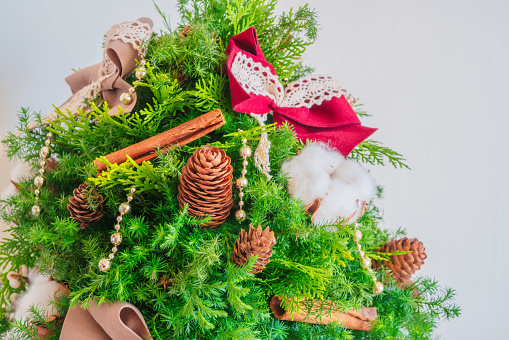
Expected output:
(366, 261)
(116, 237)
(127, 98)
(241, 183)
(39, 180)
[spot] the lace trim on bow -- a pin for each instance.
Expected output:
(256, 78)
(314, 90)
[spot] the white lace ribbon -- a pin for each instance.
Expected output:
(305, 92)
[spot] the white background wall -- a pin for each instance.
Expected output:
(434, 74)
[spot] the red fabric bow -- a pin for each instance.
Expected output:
(317, 106)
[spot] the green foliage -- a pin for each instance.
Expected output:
(374, 153)
(180, 275)
(403, 315)
(143, 177)
(379, 256)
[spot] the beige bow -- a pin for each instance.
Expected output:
(123, 47)
(116, 321)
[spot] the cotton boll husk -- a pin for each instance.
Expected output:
(39, 294)
(353, 173)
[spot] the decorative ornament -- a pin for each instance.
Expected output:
(80, 208)
(15, 277)
(206, 185)
(330, 186)
(40, 180)
(126, 98)
(180, 135)
(317, 106)
(261, 155)
(403, 266)
(241, 183)
(353, 319)
(123, 46)
(116, 237)
(366, 261)
(117, 320)
(256, 242)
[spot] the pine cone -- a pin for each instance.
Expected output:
(257, 242)
(79, 208)
(403, 266)
(206, 185)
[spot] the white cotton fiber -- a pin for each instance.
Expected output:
(337, 202)
(22, 169)
(353, 173)
(39, 294)
(320, 156)
(319, 172)
(309, 173)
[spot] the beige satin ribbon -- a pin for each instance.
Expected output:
(123, 46)
(116, 321)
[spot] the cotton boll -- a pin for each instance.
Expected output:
(40, 293)
(33, 275)
(22, 169)
(320, 172)
(304, 180)
(309, 172)
(321, 157)
(340, 202)
(353, 173)
(343, 201)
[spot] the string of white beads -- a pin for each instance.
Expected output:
(40, 180)
(127, 98)
(366, 261)
(116, 237)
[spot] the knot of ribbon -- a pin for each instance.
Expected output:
(317, 106)
(118, 320)
(123, 47)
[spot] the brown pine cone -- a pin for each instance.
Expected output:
(79, 208)
(206, 185)
(257, 242)
(403, 266)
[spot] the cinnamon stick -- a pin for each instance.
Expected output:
(180, 135)
(353, 319)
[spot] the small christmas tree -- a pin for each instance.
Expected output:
(167, 263)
